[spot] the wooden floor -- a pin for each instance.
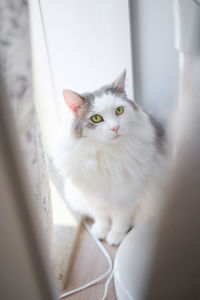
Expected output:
(87, 264)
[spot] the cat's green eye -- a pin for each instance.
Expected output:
(119, 110)
(96, 119)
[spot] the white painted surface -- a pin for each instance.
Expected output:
(187, 14)
(155, 59)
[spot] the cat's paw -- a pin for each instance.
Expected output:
(114, 238)
(100, 230)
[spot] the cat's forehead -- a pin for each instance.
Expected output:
(107, 101)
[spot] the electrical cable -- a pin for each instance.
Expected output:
(47, 50)
(98, 279)
(107, 285)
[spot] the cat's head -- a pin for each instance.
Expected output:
(105, 115)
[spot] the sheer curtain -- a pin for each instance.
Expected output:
(15, 66)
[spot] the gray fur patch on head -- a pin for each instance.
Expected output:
(88, 97)
(159, 132)
(80, 121)
(106, 89)
(109, 89)
(78, 126)
(91, 125)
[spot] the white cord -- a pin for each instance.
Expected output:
(98, 279)
(107, 285)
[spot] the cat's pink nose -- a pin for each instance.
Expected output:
(115, 129)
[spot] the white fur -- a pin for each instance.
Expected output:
(108, 177)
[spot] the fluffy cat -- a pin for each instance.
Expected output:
(111, 158)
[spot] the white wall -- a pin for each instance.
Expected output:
(155, 60)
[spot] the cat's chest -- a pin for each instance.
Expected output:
(113, 174)
(104, 168)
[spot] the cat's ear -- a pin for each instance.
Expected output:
(73, 100)
(119, 83)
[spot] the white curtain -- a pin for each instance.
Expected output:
(15, 67)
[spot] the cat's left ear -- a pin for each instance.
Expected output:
(119, 83)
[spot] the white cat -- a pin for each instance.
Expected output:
(111, 157)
